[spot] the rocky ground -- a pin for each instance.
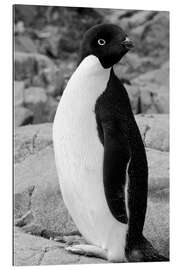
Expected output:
(46, 42)
(39, 208)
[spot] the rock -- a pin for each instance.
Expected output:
(154, 99)
(152, 36)
(49, 39)
(137, 18)
(156, 37)
(35, 99)
(29, 250)
(19, 27)
(154, 90)
(23, 202)
(146, 95)
(23, 116)
(25, 219)
(46, 202)
(34, 96)
(45, 112)
(154, 130)
(158, 165)
(30, 139)
(19, 93)
(67, 67)
(156, 227)
(50, 109)
(55, 42)
(132, 65)
(158, 76)
(54, 80)
(116, 16)
(25, 66)
(141, 17)
(38, 70)
(149, 92)
(134, 96)
(60, 256)
(161, 99)
(33, 250)
(47, 206)
(25, 13)
(23, 43)
(43, 106)
(67, 46)
(37, 190)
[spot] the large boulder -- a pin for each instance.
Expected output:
(132, 65)
(46, 203)
(34, 96)
(38, 70)
(154, 90)
(158, 77)
(154, 130)
(139, 18)
(148, 92)
(30, 139)
(33, 101)
(158, 166)
(33, 250)
(155, 37)
(19, 93)
(22, 116)
(156, 227)
(23, 43)
(25, 13)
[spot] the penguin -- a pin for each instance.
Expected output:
(99, 153)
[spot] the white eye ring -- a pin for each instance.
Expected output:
(101, 42)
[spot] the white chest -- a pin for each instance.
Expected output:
(75, 121)
(78, 151)
(79, 157)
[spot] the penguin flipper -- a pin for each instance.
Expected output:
(116, 158)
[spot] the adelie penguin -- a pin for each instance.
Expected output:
(100, 157)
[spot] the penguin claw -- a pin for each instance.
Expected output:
(76, 250)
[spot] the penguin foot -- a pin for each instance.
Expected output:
(145, 252)
(88, 250)
(70, 239)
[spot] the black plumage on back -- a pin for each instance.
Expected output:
(125, 151)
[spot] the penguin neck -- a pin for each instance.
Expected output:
(86, 84)
(92, 65)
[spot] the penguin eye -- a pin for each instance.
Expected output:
(101, 42)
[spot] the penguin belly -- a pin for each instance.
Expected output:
(79, 159)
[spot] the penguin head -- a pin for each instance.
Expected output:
(108, 42)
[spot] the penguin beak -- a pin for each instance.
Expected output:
(127, 43)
